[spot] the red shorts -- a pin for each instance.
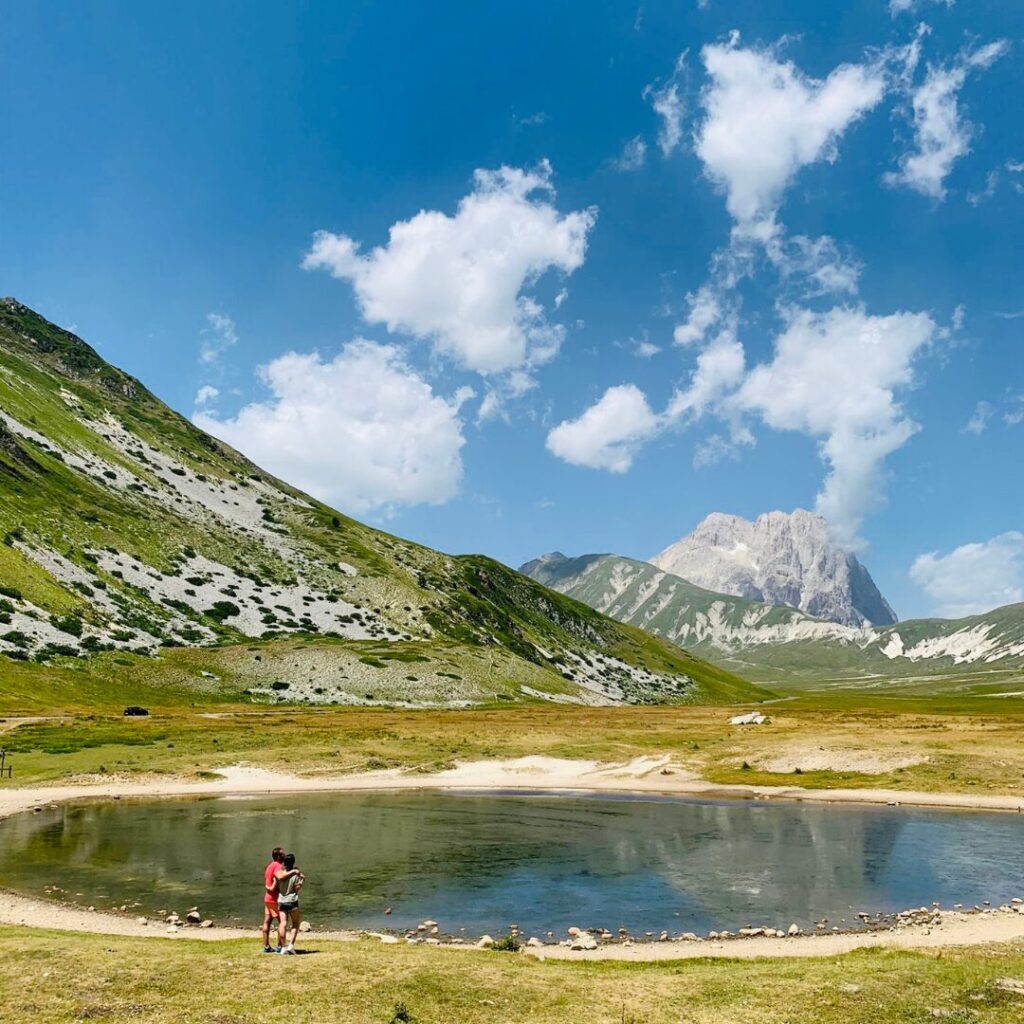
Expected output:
(272, 906)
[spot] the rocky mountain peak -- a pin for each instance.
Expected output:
(782, 558)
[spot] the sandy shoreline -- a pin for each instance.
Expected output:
(650, 775)
(951, 929)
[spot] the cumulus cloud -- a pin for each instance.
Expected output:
(362, 430)
(764, 120)
(835, 376)
(719, 369)
(609, 433)
(633, 155)
(705, 312)
(941, 135)
(216, 337)
(461, 282)
(973, 578)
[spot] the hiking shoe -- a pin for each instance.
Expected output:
(267, 949)
(289, 950)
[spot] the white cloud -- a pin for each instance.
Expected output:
(719, 369)
(907, 6)
(219, 335)
(459, 281)
(205, 395)
(765, 119)
(645, 349)
(705, 312)
(979, 420)
(633, 155)
(609, 433)
(941, 136)
(362, 430)
(1014, 416)
(669, 106)
(713, 449)
(818, 264)
(973, 578)
(983, 195)
(834, 376)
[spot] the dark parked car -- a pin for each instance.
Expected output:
(135, 711)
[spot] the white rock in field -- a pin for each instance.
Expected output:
(573, 932)
(794, 929)
(534, 941)
(584, 942)
(485, 942)
(206, 924)
(305, 926)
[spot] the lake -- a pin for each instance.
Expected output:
(479, 862)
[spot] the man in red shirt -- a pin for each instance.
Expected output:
(270, 908)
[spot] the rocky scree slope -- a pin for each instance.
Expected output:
(773, 643)
(131, 537)
(786, 559)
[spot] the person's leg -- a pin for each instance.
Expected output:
(267, 918)
(282, 925)
(294, 920)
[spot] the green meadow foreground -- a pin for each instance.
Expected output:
(966, 745)
(51, 977)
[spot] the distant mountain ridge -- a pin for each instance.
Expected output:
(776, 643)
(780, 558)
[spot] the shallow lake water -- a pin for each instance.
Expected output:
(480, 862)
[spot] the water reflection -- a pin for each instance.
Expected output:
(480, 862)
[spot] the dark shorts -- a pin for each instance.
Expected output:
(288, 908)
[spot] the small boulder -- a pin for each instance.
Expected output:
(794, 929)
(305, 926)
(194, 917)
(485, 942)
(584, 942)
(206, 924)
(141, 920)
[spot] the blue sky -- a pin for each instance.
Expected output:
(586, 272)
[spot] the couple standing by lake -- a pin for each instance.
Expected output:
(282, 881)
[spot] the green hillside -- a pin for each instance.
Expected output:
(135, 546)
(781, 645)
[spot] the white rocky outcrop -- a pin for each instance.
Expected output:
(780, 558)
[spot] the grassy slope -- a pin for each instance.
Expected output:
(493, 625)
(82, 977)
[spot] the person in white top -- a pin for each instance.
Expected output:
(289, 884)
